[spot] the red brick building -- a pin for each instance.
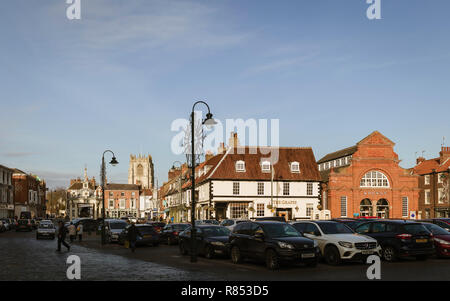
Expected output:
(29, 194)
(122, 200)
(366, 180)
(434, 184)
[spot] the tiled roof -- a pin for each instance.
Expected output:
(112, 186)
(427, 166)
(338, 154)
(325, 174)
(79, 185)
(223, 165)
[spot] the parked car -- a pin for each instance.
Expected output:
(157, 225)
(272, 241)
(6, 224)
(170, 232)
(441, 222)
(353, 222)
(441, 240)
(400, 238)
(2, 227)
(89, 224)
(231, 223)
(270, 218)
(207, 222)
(46, 229)
(141, 220)
(24, 224)
(210, 240)
(113, 228)
(146, 235)
(338, 242)
(12, 223)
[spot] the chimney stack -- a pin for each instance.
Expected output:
(444, 154)
(420, 160)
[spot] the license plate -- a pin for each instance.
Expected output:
(367, 252)
(423, 240)
(308, 255)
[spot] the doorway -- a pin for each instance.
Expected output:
(286, 213)
(383, 208)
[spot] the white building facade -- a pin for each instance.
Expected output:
(242, 184)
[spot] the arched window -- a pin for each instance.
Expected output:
(265, 166)
(240, 166)
(366, 208)
(383, 208)
(374, 179)
(295, 167)
(140, 170)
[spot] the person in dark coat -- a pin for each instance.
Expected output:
(132, 236)
(62, 232)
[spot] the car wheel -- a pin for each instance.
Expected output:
(332, 255)
(422, 257)
(209, 252)
(272, 261)
(183, 250)
(389, 254)
(236, 256)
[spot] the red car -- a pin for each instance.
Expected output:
(441, 239)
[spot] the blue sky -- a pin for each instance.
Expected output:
(117, 78)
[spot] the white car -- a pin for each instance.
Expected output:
(46, 230)
(231, 223)
(337, 241)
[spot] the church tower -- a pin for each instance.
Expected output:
(141, 171)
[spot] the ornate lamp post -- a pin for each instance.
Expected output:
(209, 121)
(113, 162)
(180, 183)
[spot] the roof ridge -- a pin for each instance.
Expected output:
(220, 162)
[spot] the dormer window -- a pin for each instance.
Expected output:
(240, 166)
(295, 167)
(265, 166)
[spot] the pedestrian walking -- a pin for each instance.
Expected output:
(132, 236)
(62, 232)
(80, 231)
(72, 232)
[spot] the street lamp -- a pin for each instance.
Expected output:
(209, 122)
(113, 162)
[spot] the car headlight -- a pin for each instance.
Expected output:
(218, 243)
(346, 244)
(284, 245)
(442, 242)
(316, 244)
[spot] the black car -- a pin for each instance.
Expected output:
(170, 232)
(353, 222)
(441, 222)
(89, 224)
(271, 241)
(24, 224)
(210, 240)
(147, 235)
(400, 238)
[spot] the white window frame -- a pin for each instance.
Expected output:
(405, 206)
(236, 188)
(427, 180)
(344, 207)
(295, 167)
(427, 197)
(309, 188)
(260, 188)
(286, 188)
(265, 166)
(371, 179)
(240, 166)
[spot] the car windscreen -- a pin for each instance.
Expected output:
(46, 226)
(436, 230)
(158, 224)
(211, 222)
(145, 230)
(334, 228)
(118, 225)
(280, 230)
(415, 229)
(22, 221)
(179, 227)
(215, 231)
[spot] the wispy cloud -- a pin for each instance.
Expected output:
(17, 154)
